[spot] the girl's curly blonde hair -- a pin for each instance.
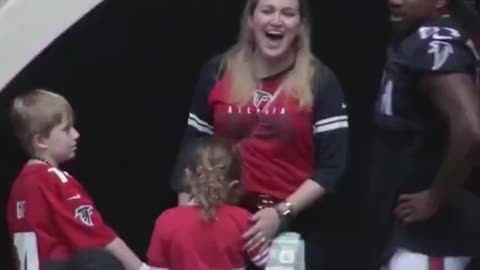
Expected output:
(213, 170)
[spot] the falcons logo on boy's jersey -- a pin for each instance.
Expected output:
(84, 214)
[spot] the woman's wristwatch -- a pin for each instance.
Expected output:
(284, 210)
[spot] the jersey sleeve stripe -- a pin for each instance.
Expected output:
(199, 121)
(330, 120)
(330, 127)
(199, 125)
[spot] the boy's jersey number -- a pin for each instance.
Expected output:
(26, 250)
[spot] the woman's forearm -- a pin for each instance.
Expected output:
(305, 195)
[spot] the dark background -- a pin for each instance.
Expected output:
(128, 69)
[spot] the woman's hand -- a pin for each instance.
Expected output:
(266, 223)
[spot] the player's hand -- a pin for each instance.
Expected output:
(266, 223)
(417, 207)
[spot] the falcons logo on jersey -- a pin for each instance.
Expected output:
(441, 50)
(260, 97)
(84, 214)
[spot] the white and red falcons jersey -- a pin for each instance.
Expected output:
(182, 240)
(51, 216)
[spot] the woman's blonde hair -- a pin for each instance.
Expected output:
(214, 166)
(239, 62)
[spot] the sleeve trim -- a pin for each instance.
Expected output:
(200, 125)
(330, 127)
(330, 123)
(330, 120)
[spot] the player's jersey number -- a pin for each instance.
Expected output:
(386, 101)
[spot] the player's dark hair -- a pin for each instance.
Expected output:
(214, 165)
(464, 13)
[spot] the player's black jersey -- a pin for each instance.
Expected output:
(404, 109)
(436, 47)
(412, 135)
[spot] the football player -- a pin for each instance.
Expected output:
(427, 139)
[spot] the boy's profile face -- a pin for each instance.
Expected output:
(61, 143)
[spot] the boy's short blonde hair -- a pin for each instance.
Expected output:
(38, 112)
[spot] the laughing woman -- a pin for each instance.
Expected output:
(285, 112)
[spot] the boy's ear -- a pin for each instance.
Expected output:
(40, 141)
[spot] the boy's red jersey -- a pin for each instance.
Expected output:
(50, 217)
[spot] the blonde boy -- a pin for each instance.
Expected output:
(50, 215)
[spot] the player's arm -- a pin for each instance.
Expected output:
(446, 64)
(456, 97)
(330, 136)
(199, 124)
